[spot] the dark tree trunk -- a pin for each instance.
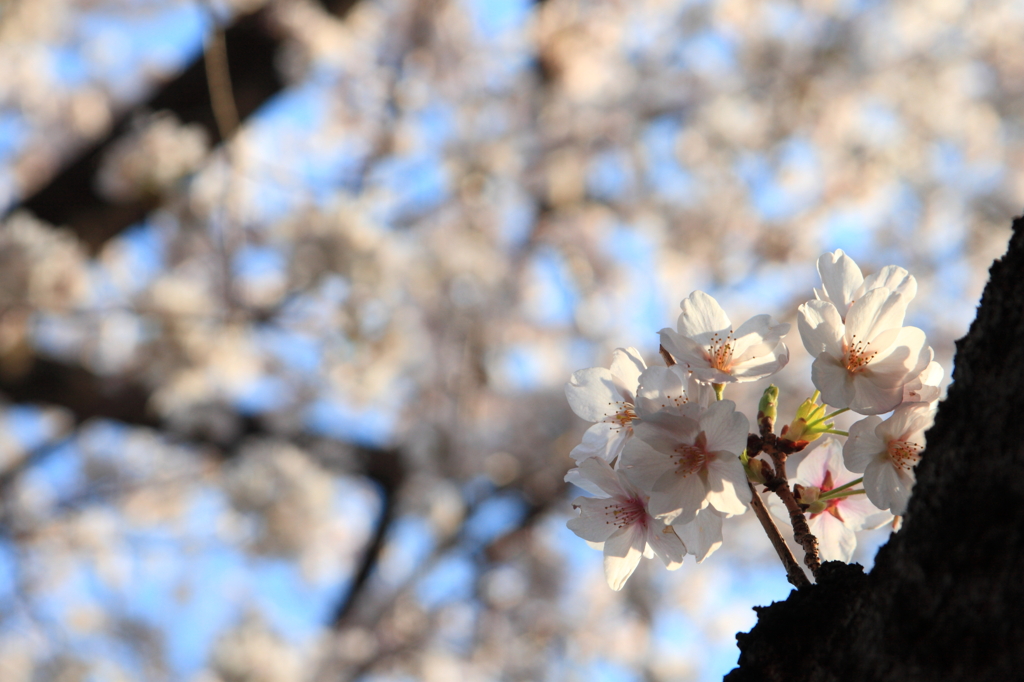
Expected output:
(944, 599)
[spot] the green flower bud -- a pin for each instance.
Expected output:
(768, 408)
(807, 426)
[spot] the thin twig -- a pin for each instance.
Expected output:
(794, 574)
(218, 79)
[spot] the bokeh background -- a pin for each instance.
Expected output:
(289, 291)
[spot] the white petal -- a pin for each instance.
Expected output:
(592, 394)
(871, 396)
(643, 464)
(835, 382)
(626, 368)
(894, 278)
(702, 316)
(685, 350)
(603, 476)
(908, 422)
(906, 357)
(666, 544)
(821, 328)
(876, 311)
(840, 278)
(597, 520)
(728, 491)
(703, 535)
(677, 497)
(760, 367)
(863, 446)
(756, 337)
(603, 439)
(621, 555)
(885, 488)
(574, 477)
(725, 428)
(661, 388)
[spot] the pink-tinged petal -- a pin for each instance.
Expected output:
(872, 397)
(622, 553)
(592, 394)
(756, 337)
(598, 518)
(676, 497)
(574, 477)
(836, 541)
(840, 278)
(685, 350)
(703, 535)
(724, 427)
(863, 446)
(603, 439)
(626, 368)
(875, 312)
(606, 478)
(860, 514)
(821, 328)
(819, 462)
(760, 367)
(835, 382)
(666, 544)
(702, 316)
(893, 278)
(728, 491)
(642, 464)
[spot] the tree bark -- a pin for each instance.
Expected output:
(943, 601)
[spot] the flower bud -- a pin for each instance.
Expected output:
(757, 470)
(767, 409)
(807, 497)
(807, 426)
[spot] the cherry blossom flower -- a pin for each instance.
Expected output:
(619, 523)
(833, 521)
(864, 363)
(708, 346)
(607, 397)
(887, 451)
(690, 460)
(842, 282)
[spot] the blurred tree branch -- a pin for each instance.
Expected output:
(71, 198)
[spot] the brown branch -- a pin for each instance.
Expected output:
(778, 482)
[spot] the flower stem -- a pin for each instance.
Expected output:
(719, 390)
(844, 486)
(827, 416)
(845, 493)
(794, 574)
(836, 431)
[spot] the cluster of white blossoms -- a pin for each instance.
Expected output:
(668, 458)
